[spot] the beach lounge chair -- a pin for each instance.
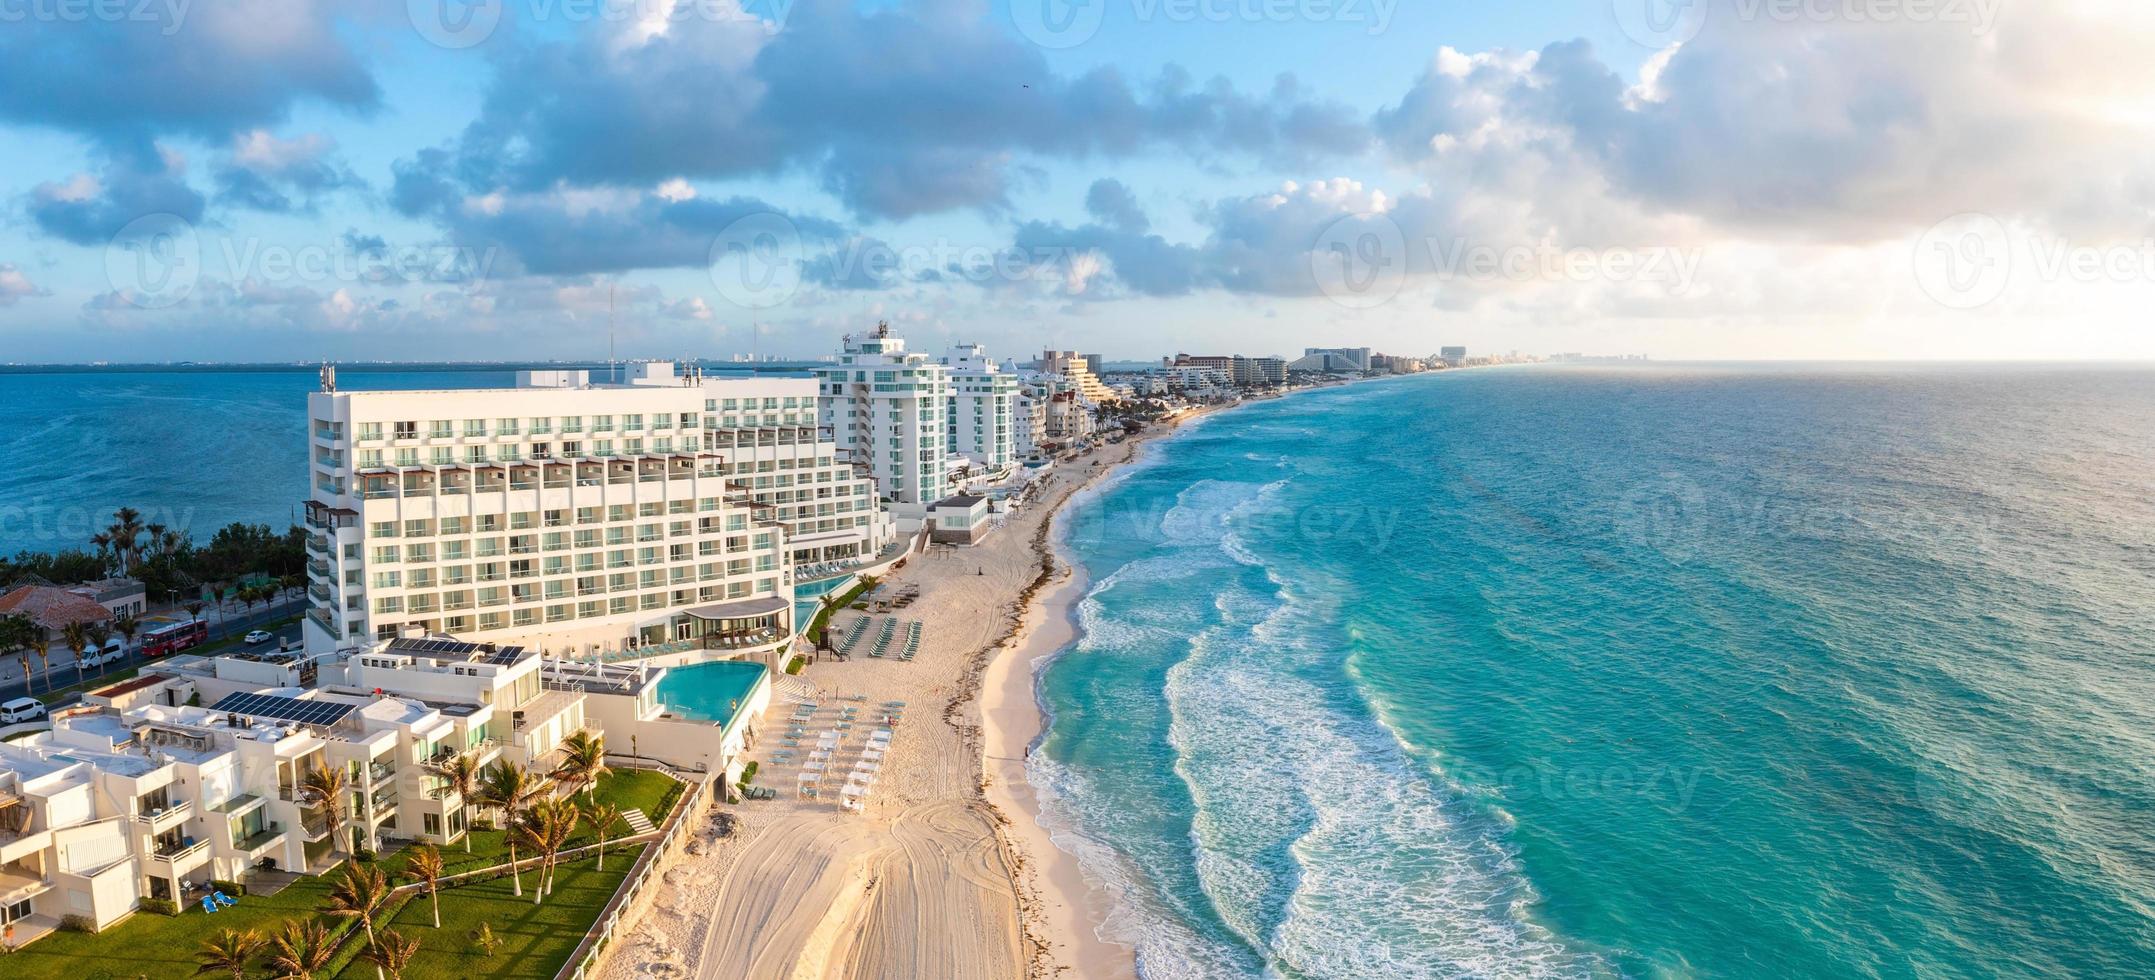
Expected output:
(223, 899)
(209, 904)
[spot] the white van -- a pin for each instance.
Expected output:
(114, 651)
(20, 710)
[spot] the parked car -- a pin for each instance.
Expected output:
(258, 636)
(21, 710)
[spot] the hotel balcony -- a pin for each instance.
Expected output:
(179, 860)
(159, 821)
(18, 886)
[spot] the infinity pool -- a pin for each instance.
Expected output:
(712, 692)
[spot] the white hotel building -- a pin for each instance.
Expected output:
(888, 410)
(983, 412)
(573, 516)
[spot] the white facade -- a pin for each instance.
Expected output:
(888, 410)
(983, 411)
(568, 515)
(1029, 414)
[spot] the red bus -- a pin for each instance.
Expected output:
(174, 638)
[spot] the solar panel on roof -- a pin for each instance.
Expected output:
(280, 708)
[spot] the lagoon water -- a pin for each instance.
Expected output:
(1715, 671)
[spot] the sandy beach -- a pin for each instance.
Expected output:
(946, 873)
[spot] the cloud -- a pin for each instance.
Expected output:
(199, 69)
(1812, 129)
(923, 108)
(265, 173)
(567, 230)
(14, 286)
(91, 209)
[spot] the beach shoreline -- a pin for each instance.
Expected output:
(946, 872)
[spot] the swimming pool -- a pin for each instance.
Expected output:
(808, 597)
(712, 692)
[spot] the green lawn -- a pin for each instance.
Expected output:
(148, 944)
(535, 939)
(151, 945)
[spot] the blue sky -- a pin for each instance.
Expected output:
(250, 179)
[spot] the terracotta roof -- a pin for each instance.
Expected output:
(52, 608)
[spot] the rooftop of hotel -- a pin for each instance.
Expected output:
(445, 650)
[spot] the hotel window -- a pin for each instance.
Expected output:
(507, 427)
(439, 429)
(457, 624)
(632, 423)
(475, 454)
(456, 525)
(540, 427)
(387, 580)
(572, 423)
(491, 621)
(382, 529)
(386, 555)
(489, 523)
(407, 430)
(474, 428)
(650, 509)
(407, 457)
(619, 512)
(370, 430)
(602, 423)
(370, 459)
(441, 455)
(633, 447)
(418, 528)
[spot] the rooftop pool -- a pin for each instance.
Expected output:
(712, 692)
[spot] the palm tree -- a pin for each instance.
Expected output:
(15, 638)
(103, 543)
(510, 789)
(583, 761)
(229, 951)
(393, 954)
(360, 895)
(40, 643)
(128, 624)
(603, 818)
(194, 609)
(300, 949)
(460, 774)
(424, 867)
(99, 635)
(77, 638)
(125, 533)
(324, 787)
(546, 829)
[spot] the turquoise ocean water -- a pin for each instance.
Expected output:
(1659, 671)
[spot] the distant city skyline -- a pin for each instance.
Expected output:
(1750, 180)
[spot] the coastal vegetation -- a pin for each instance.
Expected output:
(243, 562)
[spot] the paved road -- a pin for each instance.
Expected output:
(238, 623)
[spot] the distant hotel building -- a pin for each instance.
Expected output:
(1333, 360)
(983, 411)
(1240, 372)
(572, 515)
(1453, 357)
(1078, 370)
(888, 410)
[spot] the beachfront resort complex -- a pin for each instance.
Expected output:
(628, 558)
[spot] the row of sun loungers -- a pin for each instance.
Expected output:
(809, 573)
(853, 636)
(883, 638)
(912, 642)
